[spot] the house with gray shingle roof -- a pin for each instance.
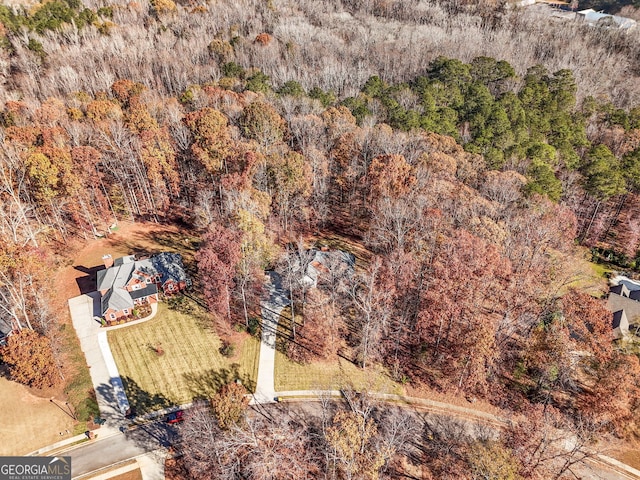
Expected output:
(126, 282)
(624, 302)
(620, 324)
(604, 20)
(323, 261)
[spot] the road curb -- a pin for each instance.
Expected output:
(73, 442)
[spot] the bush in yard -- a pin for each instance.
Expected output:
(254, 327)
(227, 349)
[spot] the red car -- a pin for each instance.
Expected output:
(175, 417)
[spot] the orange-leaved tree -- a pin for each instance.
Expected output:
(30, 359)
(352, 440)
(229, 405)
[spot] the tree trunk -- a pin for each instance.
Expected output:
(586, 232)
(244, 306)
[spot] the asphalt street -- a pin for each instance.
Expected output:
(111, 450)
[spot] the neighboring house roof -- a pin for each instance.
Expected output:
(116, 299)
(624, 302)
(123, 274)
(106, 277)
(601, 19)
(322, 260)
(5, 327)
(151, 289)
(620, 289)
(631, 307)
(619, 318)
(116, 276)
(168, 265)
(620, 324)
(626, 281)
(124, 260)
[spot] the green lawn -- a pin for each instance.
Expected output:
(582, 274)
(601, 270)
(191, 365)
(333, 374)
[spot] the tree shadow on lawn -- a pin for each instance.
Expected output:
(163, 241)
(149, 435)
(208, 383)
(188, 303)
(139, 400)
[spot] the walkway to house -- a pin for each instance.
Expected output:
(154, 310)
(106, 380)
(271, 308)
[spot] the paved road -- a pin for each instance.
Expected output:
(100, 453)
(112, 449)
(271, 308)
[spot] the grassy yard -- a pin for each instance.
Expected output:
(30, 422)
(332, 374)
(324, 375)
(337, 372)
(191, 365)
(77, 275)
(79, 389)
(584, 275)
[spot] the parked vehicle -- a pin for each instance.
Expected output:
(175, 417)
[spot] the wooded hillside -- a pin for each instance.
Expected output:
(468, 148)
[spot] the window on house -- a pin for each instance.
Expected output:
(148, 279)
(137, 286)
(126, 311)
(112, 316)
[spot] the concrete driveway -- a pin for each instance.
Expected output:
(110, 395)
(271, 308)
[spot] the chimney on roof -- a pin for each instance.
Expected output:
(108, 260)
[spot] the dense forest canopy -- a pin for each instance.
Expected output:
(467, 148)
(331, 45)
